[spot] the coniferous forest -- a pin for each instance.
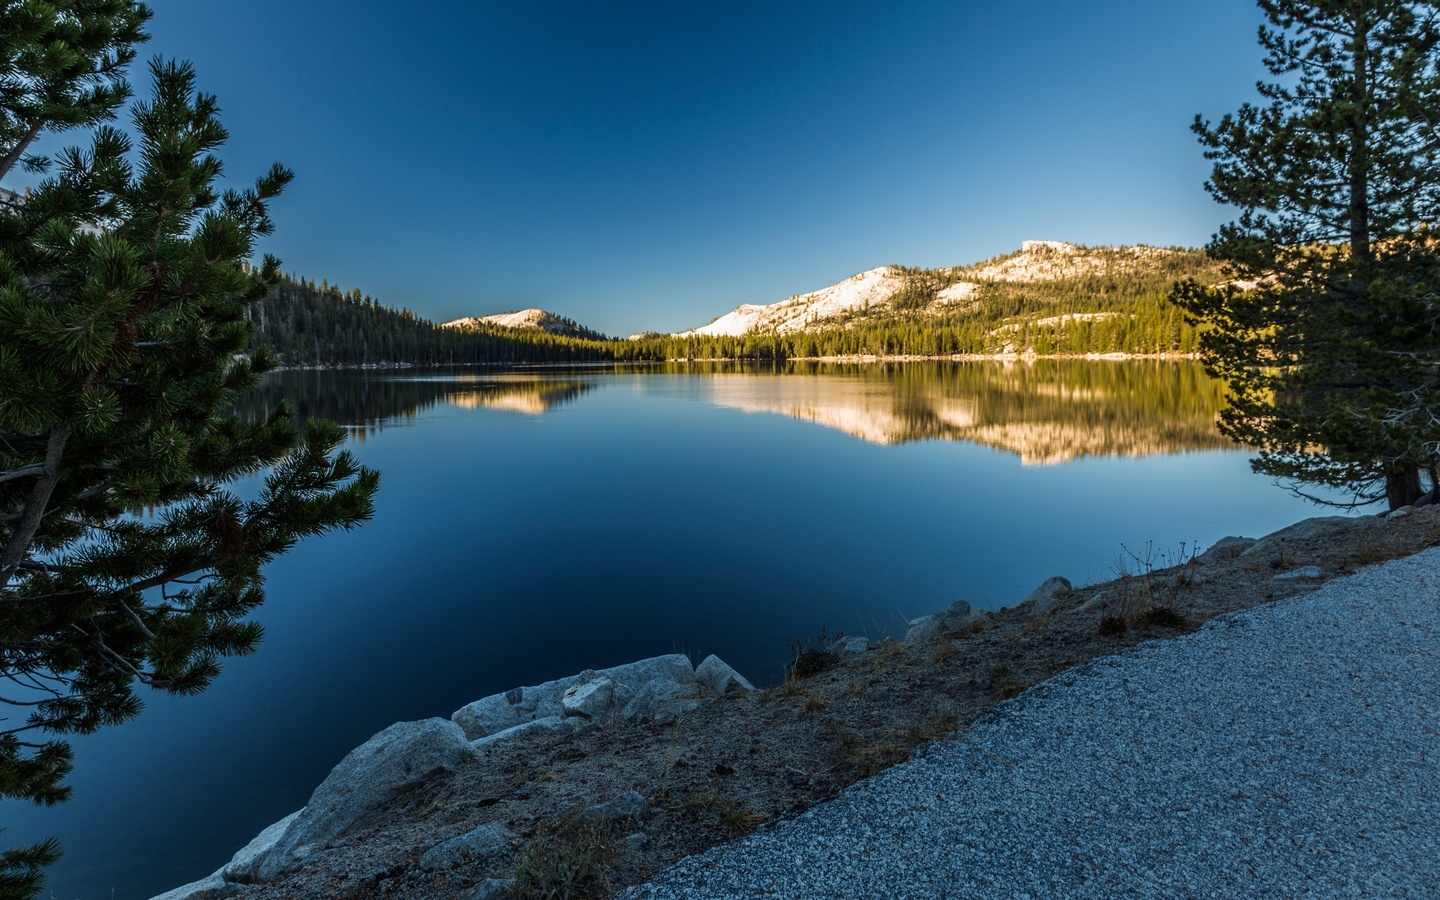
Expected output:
(1108, 308)
(309, 325)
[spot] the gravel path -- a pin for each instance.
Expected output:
(1290, 751)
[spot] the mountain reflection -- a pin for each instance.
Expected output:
(1044, 411)
(518, 394)
(367, 402)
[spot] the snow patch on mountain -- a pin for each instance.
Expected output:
(957, 292)
(526, 318)
(1052, 260)
(861, 291)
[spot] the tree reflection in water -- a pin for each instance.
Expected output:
(1044, 411)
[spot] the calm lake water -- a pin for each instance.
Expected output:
(534, 523)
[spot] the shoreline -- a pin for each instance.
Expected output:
(848, 360)
(720, 769)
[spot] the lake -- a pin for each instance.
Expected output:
(532, 523)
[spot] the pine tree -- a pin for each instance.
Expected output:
(61, 66)
(1327, 331)
(126, 559)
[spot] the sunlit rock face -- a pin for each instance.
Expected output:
(526, 318)
(874, 289)
(858, 292)
(1045, 412)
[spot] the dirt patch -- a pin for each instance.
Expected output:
(727, 768)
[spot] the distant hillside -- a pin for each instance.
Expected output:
(536, 319)
(1048, 298)
(809, 312)
(1095, 281)
(311, 324)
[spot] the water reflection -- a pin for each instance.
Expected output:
(1045, 411)
(368, 402)
(529, 395)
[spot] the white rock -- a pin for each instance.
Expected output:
(1401, 513)
(391, 762)
(490, 889)
(957, 616)
(207, 888)
(923, 629)
(1046, 598)
(1228, 548)
(629, 805)
(487, 840)
(1309, 572)
(661, 685)
(550, 725)
(498, 712)
(714, 678)
(655, 687)
(242, 866)
(847, 647)
(590, 699)
(1302, 530)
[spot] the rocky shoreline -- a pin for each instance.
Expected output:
(595, 781)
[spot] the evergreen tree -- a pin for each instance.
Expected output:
(61, 66)
(125, 557)
(1326, 333)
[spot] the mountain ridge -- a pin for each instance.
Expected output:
(933, 293)
(534, 318)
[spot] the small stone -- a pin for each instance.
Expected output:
(487, 840)
(957, 617)
(637, 841)
(490, 889)
(922, 629)
(1402, 512)
(716, 679)
(1045, 599)
(1308, 572)
(590, 700)
(629, 805)
(848, 647)
(1228, 548)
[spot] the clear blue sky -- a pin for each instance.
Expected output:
(652, 165)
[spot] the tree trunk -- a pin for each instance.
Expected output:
(1360, 149)
(19, 545)
(1402, 485)
(18, 150)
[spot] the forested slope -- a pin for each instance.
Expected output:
(1046, 299)
(319, 325)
